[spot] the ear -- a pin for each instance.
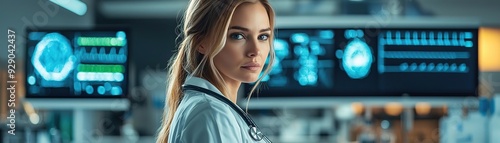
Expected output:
(202, 49)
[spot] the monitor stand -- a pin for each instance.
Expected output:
(82, 112)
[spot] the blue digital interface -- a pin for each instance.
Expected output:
(303, 60)
(438, 61)
(373, 62)
(357, 56)
(76, 63)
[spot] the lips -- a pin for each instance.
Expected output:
(251, 66)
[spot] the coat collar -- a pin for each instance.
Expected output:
(200, 82)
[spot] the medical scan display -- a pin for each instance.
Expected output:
(76, 63)
(373, 62)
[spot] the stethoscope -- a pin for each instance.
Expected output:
(254, 131)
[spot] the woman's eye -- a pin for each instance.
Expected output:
(263, 37)
(237, 36)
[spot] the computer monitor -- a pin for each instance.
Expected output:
(77, 64)
(339, 62)
(82, 70)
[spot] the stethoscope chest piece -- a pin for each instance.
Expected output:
(255, 133)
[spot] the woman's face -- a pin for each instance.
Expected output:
(247, 45)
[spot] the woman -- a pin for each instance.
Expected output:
(225, 43)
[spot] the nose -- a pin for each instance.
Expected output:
(253, 54)
(253, 49)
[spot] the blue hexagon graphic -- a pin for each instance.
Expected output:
(53, 57)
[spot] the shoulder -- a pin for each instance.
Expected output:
(208, 120)
(200, 106)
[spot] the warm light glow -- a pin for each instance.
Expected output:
(423, 108)
(357, 107)
(393, 108)
(489, 49)
(33, 116)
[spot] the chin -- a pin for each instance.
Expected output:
(250, 79)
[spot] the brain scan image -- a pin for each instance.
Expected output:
(53, 57)
(357, 59)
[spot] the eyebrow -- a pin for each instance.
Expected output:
(246, 29)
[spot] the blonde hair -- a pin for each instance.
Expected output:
(208, 21)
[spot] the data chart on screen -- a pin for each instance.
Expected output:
(77, 63)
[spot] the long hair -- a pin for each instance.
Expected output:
(204, 20)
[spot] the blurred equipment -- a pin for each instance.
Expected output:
(464, 124)
(494, 122)
(386, 135)
(344, 113)
(82, 70)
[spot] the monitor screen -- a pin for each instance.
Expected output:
(77, 63)
(372, 62)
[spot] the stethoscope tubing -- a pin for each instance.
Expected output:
(242, 114)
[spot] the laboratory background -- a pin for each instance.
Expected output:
(346, 71)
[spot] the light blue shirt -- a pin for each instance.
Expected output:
(201, 118)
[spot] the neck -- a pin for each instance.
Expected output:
(233, 87)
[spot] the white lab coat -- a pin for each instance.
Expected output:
(201, 118)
